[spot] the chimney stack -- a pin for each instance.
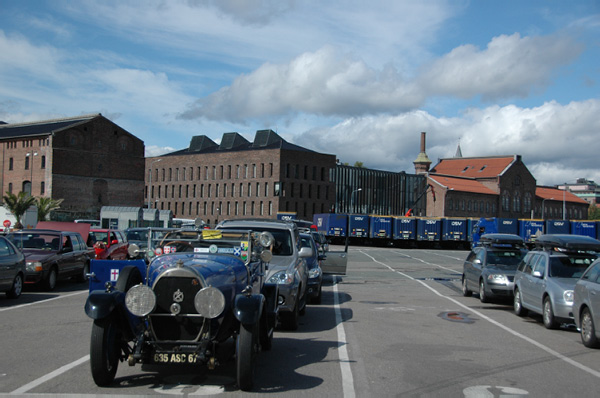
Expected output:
(422, 162)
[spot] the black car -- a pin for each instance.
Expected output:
(12, 269)
(490, 267)
(313, 264)
(184, 305)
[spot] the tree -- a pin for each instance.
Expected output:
(594, 212)
(358, 164)
(18, 205)
(46, 205)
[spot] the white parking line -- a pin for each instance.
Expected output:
(49, 376)
(347, 379)
(42, 301)
(494, 322)
(423, 261)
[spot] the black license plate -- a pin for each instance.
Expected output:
(178, 357)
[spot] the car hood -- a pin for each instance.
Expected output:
(564, 283)
(499, 270)
(280, 263)
(37, 255)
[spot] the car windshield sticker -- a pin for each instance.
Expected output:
(211, 234)
(226, 250)
(200, 250)
(237, 251)
(114, 275)
(213, 248)
(170, 249)
(244, 247)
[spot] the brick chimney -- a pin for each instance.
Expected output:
(422, 162)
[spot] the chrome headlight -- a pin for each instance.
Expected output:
(33, 266)
(266, 239)
(314, 272)
(568, 295)
(281, 278)
(140, 300)
(209, 302)
(498, 279)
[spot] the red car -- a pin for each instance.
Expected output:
(109, 244)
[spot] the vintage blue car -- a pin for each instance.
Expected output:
(204, 290)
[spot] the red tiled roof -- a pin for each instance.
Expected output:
(557, 194)
(486, 167)
(461, 184)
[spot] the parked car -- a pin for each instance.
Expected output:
(12, 269)
(109, 244)
(546, 276)
(183, 306)
(490, 267)
(586, 305)
(315, 275)
(287, 269)
(52, 255)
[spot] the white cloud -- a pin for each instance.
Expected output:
(153, 150)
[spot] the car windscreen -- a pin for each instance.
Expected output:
(571, 266)
(99, 236)
(283, 239)
(508, 259)
(306, 242)
(40, 241)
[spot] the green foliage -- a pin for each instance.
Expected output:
(46, 205)
(18, 205)
(594, 212)
(359, 164)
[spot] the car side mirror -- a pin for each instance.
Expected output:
(477, 261)
(306, 252)
(114, 242)
(537, 274)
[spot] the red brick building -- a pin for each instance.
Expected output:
(88, 161)
(238, 178)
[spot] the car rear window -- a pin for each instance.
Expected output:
(506, 258)
(569, 266)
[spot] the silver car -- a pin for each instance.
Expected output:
(287, 269)
(546, 277)
(586, 305)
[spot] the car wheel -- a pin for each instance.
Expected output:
(50, 282)
(245, 354)
(83, 276)
(302, 309)
(104, 351)
(17, 287)
(319, 298)
(482, 296)
(289, 320)
(466, 292)
(588, 331)
(265, 332)
(518, 305)
(548, 315)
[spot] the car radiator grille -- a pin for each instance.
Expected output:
(187, 324)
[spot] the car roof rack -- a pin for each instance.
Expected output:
(567, 242)
(501, 240)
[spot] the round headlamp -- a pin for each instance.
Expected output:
(266, 239)
(140, 300)
(209, 302)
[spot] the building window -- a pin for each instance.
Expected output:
(517, 202)
(10, 163)
(505, 201)
(27, 163)
(43, 162)
(10, 187)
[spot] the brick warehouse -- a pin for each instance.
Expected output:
(238, 178)
(88, 161)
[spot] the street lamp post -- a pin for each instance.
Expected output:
(543, 212)
(31, 155)
(150, 183)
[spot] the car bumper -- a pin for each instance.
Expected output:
(501, 290)
(563, 310)
(287, 297)
(313, 288)
(34, 276)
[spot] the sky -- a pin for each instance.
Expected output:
(358, 79)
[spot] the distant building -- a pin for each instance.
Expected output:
(240, 179)
(88, 161)
(585, 189)
(494, 186)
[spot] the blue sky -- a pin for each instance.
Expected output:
(354, 78)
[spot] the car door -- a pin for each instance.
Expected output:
(8, 265)
(525, 280)
(67, 259)
(335, 262)
(468, 268)
(538, 283)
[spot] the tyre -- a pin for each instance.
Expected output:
(17, 287)
(588, 330)
(548, 315)
(482, 296)
(319, 298)
(83, 276)
(466, 292)
(245, 354)
(289, 320)
(302, 308)
(104, 351)
(50, 281)
(518, 305)
(128, 277)
(265, 332)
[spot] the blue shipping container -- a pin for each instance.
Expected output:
(558, 227)
(429, 229)
(358, 225)
(529, 230)
(494, 225)
(454, 229)
(331, 224)
(585, 228)
(380, 227)
(405, 228)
